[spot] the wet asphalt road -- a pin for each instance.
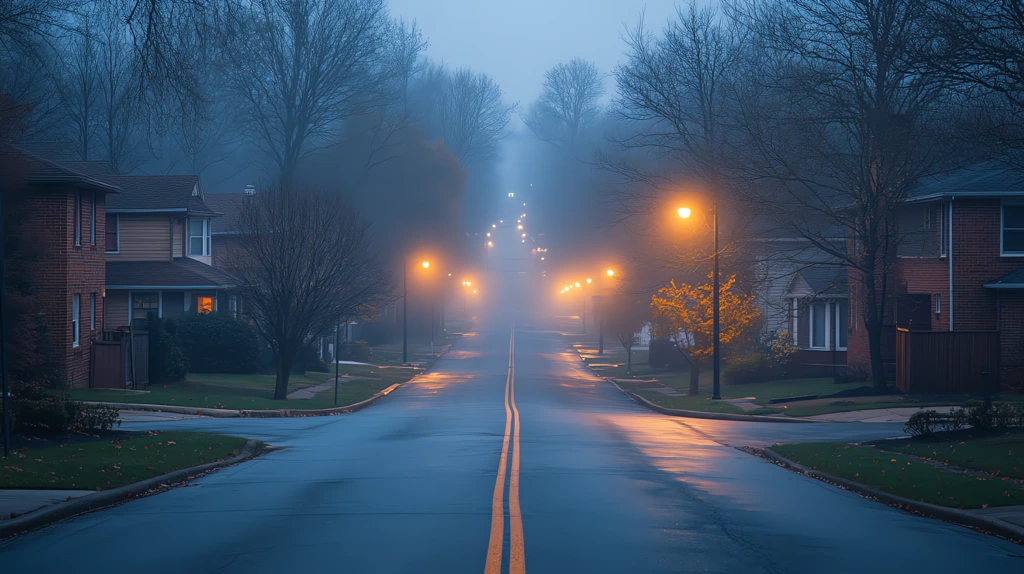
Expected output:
(603, 485)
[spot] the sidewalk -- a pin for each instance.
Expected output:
(896, 415)
(15, 502)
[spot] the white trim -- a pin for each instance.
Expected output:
(1002, 229)
(76, 326)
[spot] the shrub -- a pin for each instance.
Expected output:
(779, 348)
(218, 343)
(57, 413)
(167, 362)
(663, 354)
(921, 423)
(753, 368)
(358, 351)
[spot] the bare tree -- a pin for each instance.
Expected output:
(305, 262)
(465, 109)
(981, 47)
(568, 103)
(624, 316)
(839, 117)
(76, 72)
(302, 67)
(674, 90)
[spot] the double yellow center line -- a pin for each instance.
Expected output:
(516, 549)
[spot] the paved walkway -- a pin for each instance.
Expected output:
(897, 415)
(310, 392)
(18, 502)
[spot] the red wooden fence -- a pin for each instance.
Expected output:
(946, 362)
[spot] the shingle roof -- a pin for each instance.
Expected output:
(179, 274)
(92, 168)
(1012, 280)
(157, 193)
(824, 279)
(230, 205)
(989, 178)
(40, 170)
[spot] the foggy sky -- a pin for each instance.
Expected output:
(516, 41)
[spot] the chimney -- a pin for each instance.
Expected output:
(250, 190)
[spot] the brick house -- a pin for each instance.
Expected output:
(960, 263)
(61, 212)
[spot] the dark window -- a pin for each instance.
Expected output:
(944, 230)
(76, 306)
(92, 218)
(113, 225)
(818, 320)
(78, 218)
(142, 305)
(1013, 229)
(842, 323)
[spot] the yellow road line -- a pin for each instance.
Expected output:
(517, 553)
(517, 550)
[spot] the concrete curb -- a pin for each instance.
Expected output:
(272, 413)
(105, 498)
(985, 524)
(703, 415)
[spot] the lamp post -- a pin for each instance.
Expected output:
(716, 328)
(405, 308)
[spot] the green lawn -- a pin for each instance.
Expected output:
(999, 452)
(700, 403)
(904, 476)
(254, 391)
(104, 463)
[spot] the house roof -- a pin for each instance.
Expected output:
(1012, 280)
(819, 281)
(158, 193)
(92, 168)
(177, 274)
(228, 204)
(40, 170)
(983, 179)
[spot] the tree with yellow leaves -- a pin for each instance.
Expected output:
(685, 317)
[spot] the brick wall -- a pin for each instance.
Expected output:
(64, 269)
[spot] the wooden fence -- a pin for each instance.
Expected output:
(120, 360)
(946, 362)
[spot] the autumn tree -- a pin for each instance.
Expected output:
(568, 103)
(684, 314)
(305, 263)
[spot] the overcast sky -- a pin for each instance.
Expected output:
(515, 41)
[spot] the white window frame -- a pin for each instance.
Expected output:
(76, 307)
(837, 308)
(92, 219)
(938, 303)
(810, 325)
(92, 311)
(117, 228)
(207, 239)
(1002, 229)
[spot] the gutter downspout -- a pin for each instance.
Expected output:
(949, 257)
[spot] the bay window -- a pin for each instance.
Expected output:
(199, 237)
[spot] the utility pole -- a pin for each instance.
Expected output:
(337, 349)
(405, 311)
(717, 349)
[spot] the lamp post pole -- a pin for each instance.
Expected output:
(337, 349)
(716, 327)
(405, 311)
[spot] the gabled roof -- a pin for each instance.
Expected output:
(1012, 280)
(819, 281)
(158, 194)
(177, 274)
(230, 206)
(983, 179)
(43, 171)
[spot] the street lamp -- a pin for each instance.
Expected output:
(610, 273)
(405, 308)
(589, 280)
(716, 353)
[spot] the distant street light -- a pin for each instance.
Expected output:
(589, 280)
(405, 308)
(683, 212)
(577, 284)
(490, 244)
(610, 272)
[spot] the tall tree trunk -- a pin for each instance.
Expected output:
(629, 361)
(694, 378)
(874, 324)
(285, 362)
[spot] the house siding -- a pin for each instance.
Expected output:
(177, 238)
(143, 238)
(116, 309)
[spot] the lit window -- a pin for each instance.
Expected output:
(204, 305)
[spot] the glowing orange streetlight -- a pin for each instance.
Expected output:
(589, 280)
(684, 212)
(610, 273)
(425, 264)
(577, 284)
(490, 244)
